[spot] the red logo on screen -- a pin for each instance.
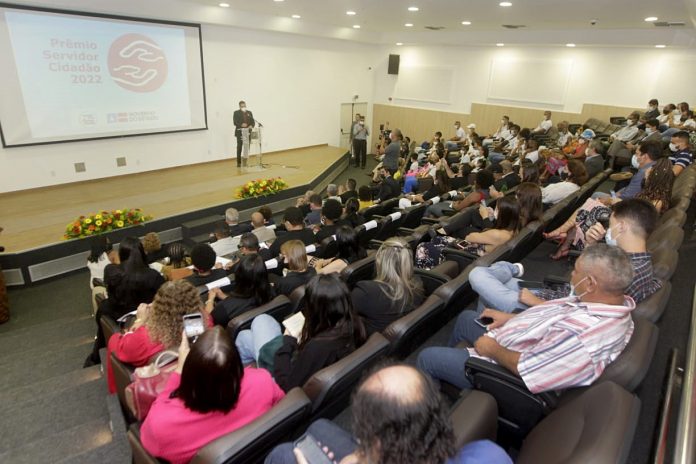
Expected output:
(137, 63)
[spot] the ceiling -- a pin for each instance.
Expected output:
(547, 22)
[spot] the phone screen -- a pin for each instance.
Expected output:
(484, 321)
(193, 325)
(311, 450)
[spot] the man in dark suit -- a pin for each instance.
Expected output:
(242, 119)
(389, 188)
(508, 177)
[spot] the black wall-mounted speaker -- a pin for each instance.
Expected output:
(393, 64)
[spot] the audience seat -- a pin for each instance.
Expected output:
(673, 217)
(329, 389)
(362, 269)
(279, 307)
(389, 226)
(250, 443)
(328, 248)
(413, 215)
(431, 279)
(652, 307)
(123, 376)
(296, 298)
(412, 329)
(596, 427)
(668, 236)
(109, 327)
(474, 417)
(664, 261)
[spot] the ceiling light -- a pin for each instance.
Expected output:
(408, 24)
(505, 3)
(296, 16)
(466, 23)
(278, 0)
(225, 5)
(500, 45)
(570, 45)
(660, 46)
(350, 13)
(650, 19)
(399, 43)
(412, 8)
(356, 26)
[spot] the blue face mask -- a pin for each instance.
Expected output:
(572, 290)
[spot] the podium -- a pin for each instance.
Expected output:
(251, 146)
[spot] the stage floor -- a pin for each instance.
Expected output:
(37, 217)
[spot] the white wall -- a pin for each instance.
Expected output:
(609, 76)
(293, 84)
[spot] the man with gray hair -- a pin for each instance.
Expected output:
(560, 344)
(332, 193)
(232, 220)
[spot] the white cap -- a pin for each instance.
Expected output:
(471, 126)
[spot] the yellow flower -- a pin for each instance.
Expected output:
(98, 223)
(98, 216)
(119, 223)
(88, 221)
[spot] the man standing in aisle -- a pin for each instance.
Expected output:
(360, 134)
(242, 119)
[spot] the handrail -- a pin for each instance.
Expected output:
(660, 446)
(685, 445)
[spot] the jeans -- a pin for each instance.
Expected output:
(452, 145)
(497, 287)
(437, 209)
(249, 342)
(667, 134)
(326, 433)
(494, 157)
(448, 364)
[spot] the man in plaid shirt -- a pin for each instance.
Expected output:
(557, 345)
(631, 222)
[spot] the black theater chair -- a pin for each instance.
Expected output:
(474, 417)
(412, 329)
(653, 306)
(279, 308)
(664, 261)
(432, 280)
(362, 269)
(328, 248)
(329, 389)
(123, 376)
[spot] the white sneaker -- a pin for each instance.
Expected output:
(520, 269)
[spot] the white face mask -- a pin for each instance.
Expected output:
(587, 151)
(676, 111)
(634, 162)
(243, 108)
(673, 147)
(573, 287)
(649, 130)
(611, 241)
(629, 122)
(362, 123)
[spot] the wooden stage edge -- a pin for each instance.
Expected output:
(37, 217)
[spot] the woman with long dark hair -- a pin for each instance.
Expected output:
(350, 217)
(331, 330)
(209, 395)
(349, 251)
(251, 289)
(128, 284)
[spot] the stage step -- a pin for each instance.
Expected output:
(205, 225)
(202, 238)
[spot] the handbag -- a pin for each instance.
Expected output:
(148, 382)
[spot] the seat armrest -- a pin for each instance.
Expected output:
(430, 221)
(374, 244)
(475, 366)
(98, 282)
(404, 231)
(140, 455)
(555, 280)
(474, 417)
(462, 253)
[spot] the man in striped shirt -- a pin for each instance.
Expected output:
(557, 345)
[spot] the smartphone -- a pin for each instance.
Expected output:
(193, 326)
(613, 195)
(463, 244)
(484, 321)
(307, 444)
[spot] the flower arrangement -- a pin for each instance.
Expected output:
(104, 221)
(261, 187)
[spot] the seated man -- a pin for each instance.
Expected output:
(622, 147)
(330, 214)
(232, 220)
(314, 215)
(544, 125)
(507, 179)
(204, 268)
(292, 218)
(561, 344)
(459, 137)
(629, 131)
(631, 223)
(389, 188)
(224, 244)
(398, 417)
(498, 151)
(332, 193)
(594, 162)
(653, 109)
(646, 154)
(261, 231)
(349, 190)
(680, 156)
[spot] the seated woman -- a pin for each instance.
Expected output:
(554, 193)
(297, 272)
(349, 251)
(440, 186)
(528, 196)
(331, 331)
(529, 172)
(153, 248)
(101, 254)
(484, 180)
(179, 260)
(365, 197)
(350, 217)
(507, 224)
(158, 327)
(251, 289)
(128, 284)
(209, 395)
(204, 268)
(395, 291)
(659, 180)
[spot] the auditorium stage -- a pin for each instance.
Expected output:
(37, 218)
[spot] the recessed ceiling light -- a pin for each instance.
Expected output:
(505, 3)
(224, 5)
(296, 16)
(570, 45)
(356, 26)
(412, 8)
(466, 23)
(660, 46)
(500, 45)
(278, 0)
(650, 19)
(350, 13)
(399, 43)
(408, 24)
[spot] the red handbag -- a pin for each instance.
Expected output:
(148, 382)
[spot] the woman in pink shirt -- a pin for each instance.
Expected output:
(209, 395)
(157, 327)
